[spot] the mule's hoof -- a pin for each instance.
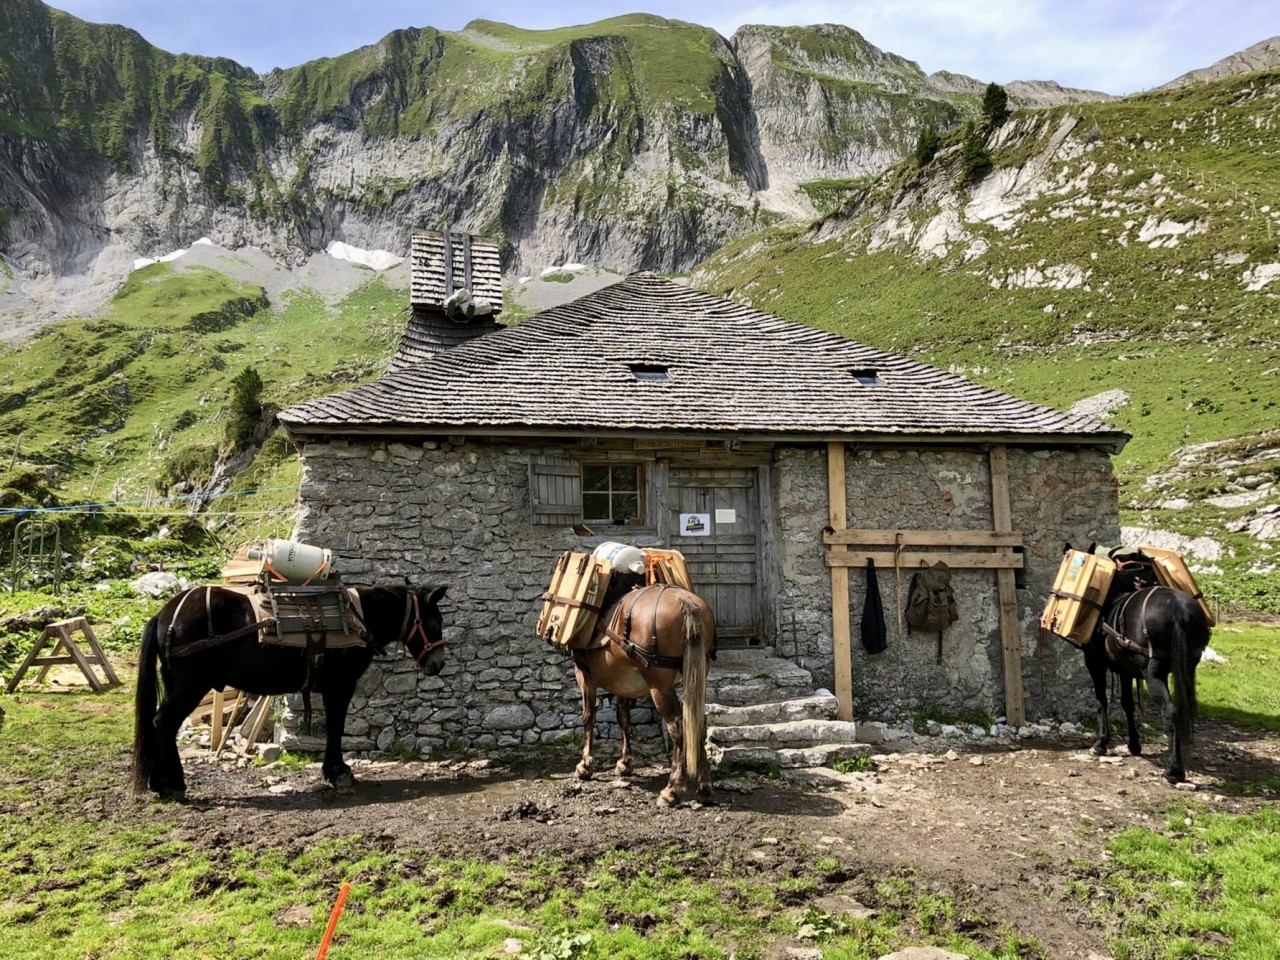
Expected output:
(705, 797)
(1135, 749)
(583, 771)
(667, 798)
(1175, 777)
(622, 769)
(1098, 750)
(173, 796)
(343, 781)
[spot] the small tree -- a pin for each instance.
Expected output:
(995, 105)
(926, 146)
(975, 161)
(246, 407)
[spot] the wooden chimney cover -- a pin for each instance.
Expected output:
(445, 262)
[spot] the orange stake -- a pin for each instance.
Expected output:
(333, 921)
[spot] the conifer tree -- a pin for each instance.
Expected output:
(995, 105)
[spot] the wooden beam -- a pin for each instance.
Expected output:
(841, 646)
(1015, 710)
(924, 538)
(908, 560)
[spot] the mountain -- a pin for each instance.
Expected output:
(1260, 56)
(1121, 255)
(633, 142)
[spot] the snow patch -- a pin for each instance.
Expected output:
(374, 259)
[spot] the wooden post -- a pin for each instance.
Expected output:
(841, 647)
(1015, 710)
(215, 720)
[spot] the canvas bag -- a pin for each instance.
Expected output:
(931, 603)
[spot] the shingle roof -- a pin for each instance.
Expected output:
(444, 262)
(730, 369)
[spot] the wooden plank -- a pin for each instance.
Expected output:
(1006, 592)
(215, 718)
(1002, 560)
(99, 655)
(841, 646)
(256, 720)
(924, 538)
(31, 658)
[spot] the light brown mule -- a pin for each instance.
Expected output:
(651, 639)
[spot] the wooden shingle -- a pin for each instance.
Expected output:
(444, 262)
(648, 355)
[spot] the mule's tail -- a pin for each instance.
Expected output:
(694, 679)
(1190, 637)
(145, 745)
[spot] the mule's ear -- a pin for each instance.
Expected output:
(1066, 547)
(437, 594)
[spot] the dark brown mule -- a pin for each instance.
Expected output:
(654, 638)
(205, 639)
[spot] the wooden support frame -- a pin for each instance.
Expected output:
(841, 644)
(997, 549)
(67, 651)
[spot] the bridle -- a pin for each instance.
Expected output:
(411, 628)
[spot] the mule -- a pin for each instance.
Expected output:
(650, 640)
(1148, 633)
(204, 639)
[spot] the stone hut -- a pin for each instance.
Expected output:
(778, 458)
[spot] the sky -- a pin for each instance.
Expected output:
(1116, 46)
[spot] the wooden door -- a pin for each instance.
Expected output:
(723, 554)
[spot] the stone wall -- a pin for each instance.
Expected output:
(459, 514)
(1056, 496)
(440, 513)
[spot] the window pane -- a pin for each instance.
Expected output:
(626, 479)
(626, 506)
(595, 506)
(595, 477)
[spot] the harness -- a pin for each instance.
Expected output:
(1112, 624)
(646, 659)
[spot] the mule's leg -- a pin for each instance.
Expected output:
(587, 687)
(167, 778)
(1098, 674)
(668, 705)
(337, 695)
(1126, 701)
(623, 768)
(1158, 684)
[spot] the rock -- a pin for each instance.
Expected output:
(516, 716)
(267, 752)
(924, 953)
(159, 584)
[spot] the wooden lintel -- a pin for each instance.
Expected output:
(908, 560)
(841, 644)
(923, 538)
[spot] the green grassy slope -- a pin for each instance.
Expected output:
(1136, 266)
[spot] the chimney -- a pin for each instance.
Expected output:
(455, 294)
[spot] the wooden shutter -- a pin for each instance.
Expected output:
(555, 490)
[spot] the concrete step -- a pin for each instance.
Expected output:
(821, 706)
(784, 734)
(822, 755)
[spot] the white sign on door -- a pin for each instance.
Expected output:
(695, 525)
(726, 516)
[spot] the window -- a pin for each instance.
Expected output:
(867, 378)
(611, 492)
(654, 372)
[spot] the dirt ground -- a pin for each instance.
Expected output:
(1002, 828)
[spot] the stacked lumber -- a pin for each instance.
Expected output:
(572, 604)
(666, 566)
(1077, 595)
(1171, 571)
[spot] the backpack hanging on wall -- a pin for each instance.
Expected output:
(931, 603)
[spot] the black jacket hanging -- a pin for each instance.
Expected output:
(873, 626)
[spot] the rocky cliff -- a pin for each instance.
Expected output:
(633, 142)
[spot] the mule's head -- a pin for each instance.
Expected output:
(425, 635)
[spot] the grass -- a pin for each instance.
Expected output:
(88, 875)
(1246, 689)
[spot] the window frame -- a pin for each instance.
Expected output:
(639, 492)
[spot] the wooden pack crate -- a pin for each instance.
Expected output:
(1171, 571)
(571, 605)
(666, 566)
(1076, 598)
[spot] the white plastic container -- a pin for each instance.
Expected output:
(623, 556)
(293, 562)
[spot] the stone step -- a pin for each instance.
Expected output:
(822, 755)
(784, 734)
(738, 681)
(821, 706)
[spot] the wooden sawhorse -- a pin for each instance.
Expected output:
(70, 653)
